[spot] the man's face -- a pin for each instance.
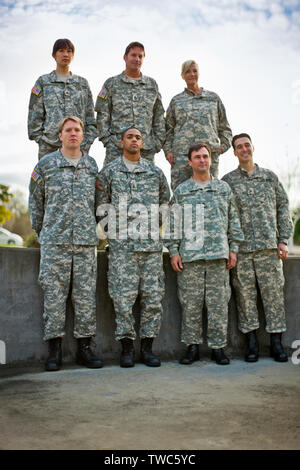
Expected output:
(71, 135)
(134, 59)
(243, 149)
(63, 57)
(200, 161)
(132, 141)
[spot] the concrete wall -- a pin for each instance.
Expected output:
(21, 306)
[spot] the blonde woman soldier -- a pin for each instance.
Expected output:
(194, 115)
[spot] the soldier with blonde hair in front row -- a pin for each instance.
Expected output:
(62, 212)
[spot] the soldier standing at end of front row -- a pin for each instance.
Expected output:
(62, 212)
(264, 213)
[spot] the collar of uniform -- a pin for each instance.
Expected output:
(245, 172)
(141, 166)
(195, 187)
(202, 93)
(134, 81)
(63, 162)
(54, 77)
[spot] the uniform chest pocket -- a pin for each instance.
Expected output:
(183, 109)
(77, 93)
(58, 186)
(84, 183)
(220, 203)
(53, 95)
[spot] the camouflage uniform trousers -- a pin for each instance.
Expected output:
(113, 152)
(130, 274)
(45, 148)
(204, 281)
(181, 172)
(60, 266)
(265, 269)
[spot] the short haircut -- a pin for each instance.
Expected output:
(128, 129)
(63, 44)
(69, 118)
(132, 45)
(239, 136)
(199, 146)
(186, 65)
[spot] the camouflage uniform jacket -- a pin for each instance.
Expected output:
(62, 200)
(126, 191)
(124, 102)
(52, 99)
(218, 228)
(263, 207)
(193, 118)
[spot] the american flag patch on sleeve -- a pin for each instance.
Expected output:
(102, 94)
(35, 175)
(36, 91)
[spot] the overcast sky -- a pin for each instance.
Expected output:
(247, 51)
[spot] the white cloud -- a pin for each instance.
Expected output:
(247, 53)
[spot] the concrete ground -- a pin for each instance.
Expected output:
(174, 407)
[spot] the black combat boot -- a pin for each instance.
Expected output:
(219, 356)
(55, 356)
(147, 357)
(127, 354)
(252, 349)
(277, 351)
(85, 356)
(191, 355)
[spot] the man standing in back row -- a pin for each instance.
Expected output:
(264, 213)
(130, 99)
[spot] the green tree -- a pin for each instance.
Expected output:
(5, 196)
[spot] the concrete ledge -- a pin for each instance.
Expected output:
(21, 306)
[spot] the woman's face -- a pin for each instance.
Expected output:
(191, 76)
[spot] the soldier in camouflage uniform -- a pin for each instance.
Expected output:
(134, 188)
(203, 254)
(264, 213)
(62, 211)
(56, 95)
(130, 99)
(195, 115)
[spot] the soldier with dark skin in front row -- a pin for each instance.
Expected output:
(131, 184)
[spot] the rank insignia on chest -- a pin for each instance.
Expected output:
(36, 91)
(35, 176)
(99, 185)
(102, 94)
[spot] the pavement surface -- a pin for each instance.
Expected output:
(202, 406)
